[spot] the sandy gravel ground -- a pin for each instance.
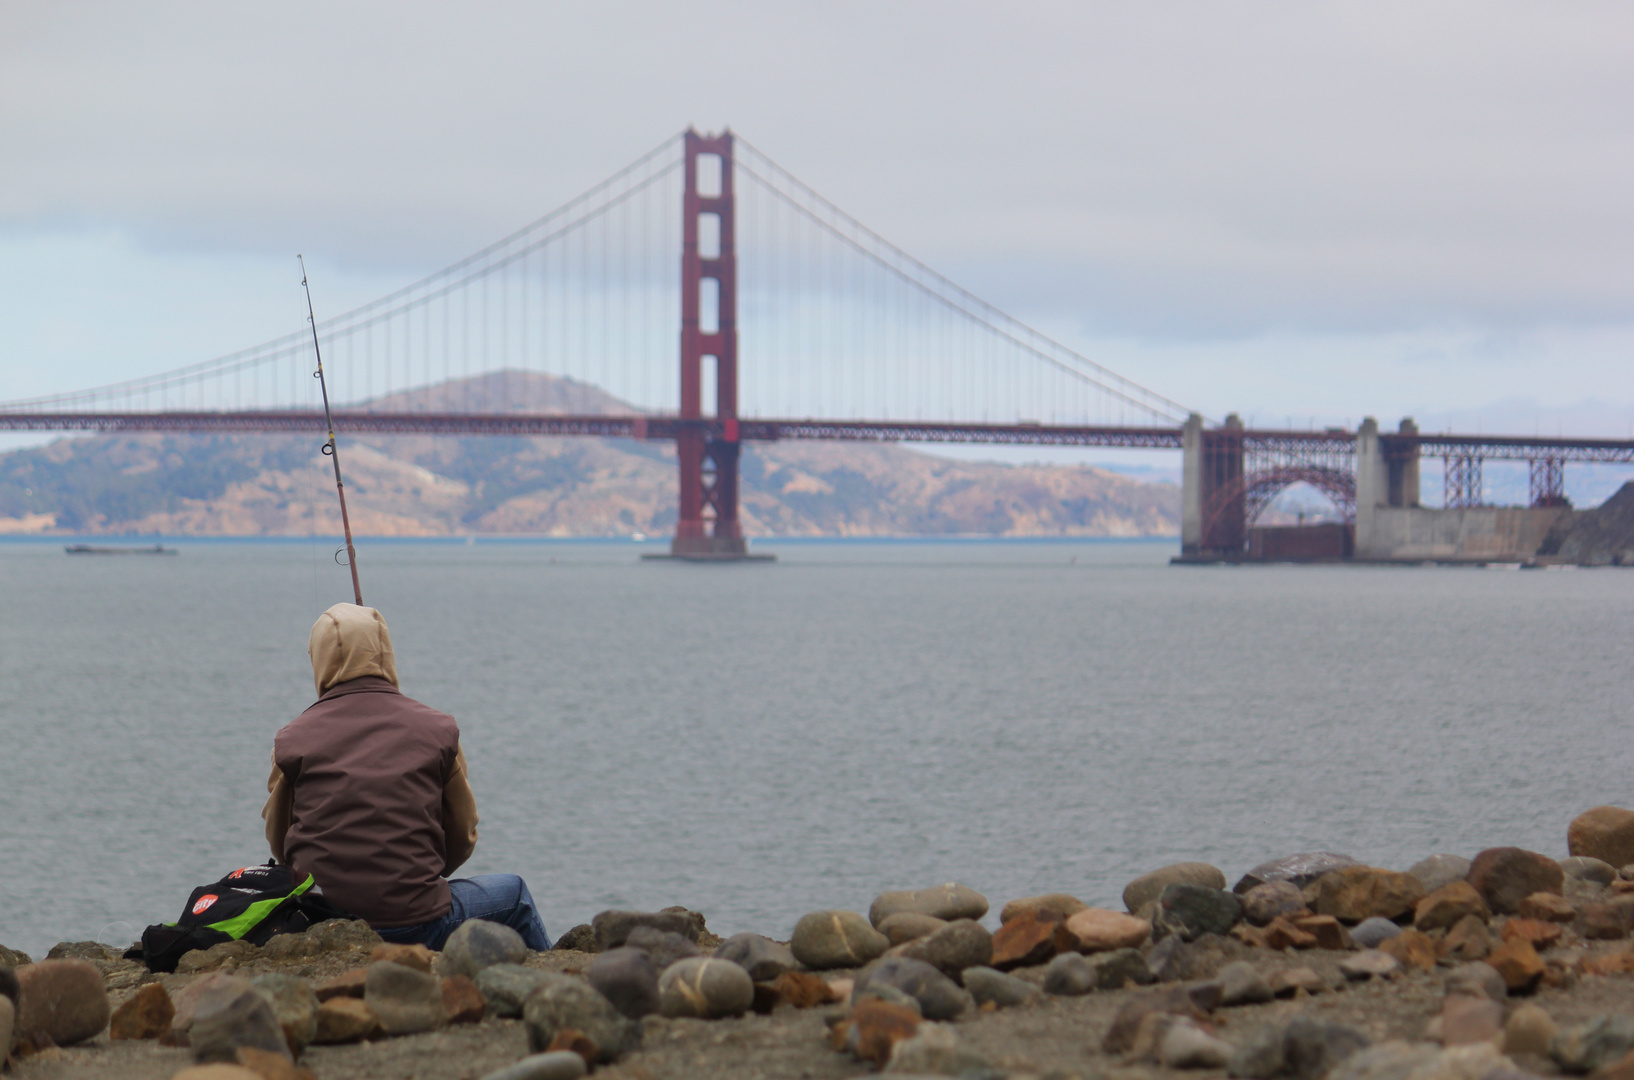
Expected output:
(1053, 1037)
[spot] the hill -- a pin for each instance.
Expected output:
(263, 485)
(1603, 536)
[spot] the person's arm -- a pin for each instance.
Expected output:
(280, 798)
(459, 816)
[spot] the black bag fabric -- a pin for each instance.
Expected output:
(250, 904)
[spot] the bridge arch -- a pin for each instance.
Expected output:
(1251, 492)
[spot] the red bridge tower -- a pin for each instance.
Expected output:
(707, 444)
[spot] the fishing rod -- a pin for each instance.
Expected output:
(329, 447)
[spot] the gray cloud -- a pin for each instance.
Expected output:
(1190, 169)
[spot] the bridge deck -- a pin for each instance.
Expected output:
(633, 426)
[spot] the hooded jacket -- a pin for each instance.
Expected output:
(368, 791)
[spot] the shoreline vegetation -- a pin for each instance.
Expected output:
(1312, 966)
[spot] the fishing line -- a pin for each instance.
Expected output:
(330, 447)
(310, 483)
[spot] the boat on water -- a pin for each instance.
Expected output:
(92, 549)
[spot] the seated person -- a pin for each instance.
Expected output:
(369, 795)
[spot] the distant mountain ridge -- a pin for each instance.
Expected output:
(265, 485)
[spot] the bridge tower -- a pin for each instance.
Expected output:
(707, 444)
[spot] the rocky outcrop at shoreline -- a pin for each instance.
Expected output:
(1503, 965)
(1603, 536)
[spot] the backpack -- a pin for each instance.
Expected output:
(250, 904)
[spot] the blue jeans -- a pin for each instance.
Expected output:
(500, 898)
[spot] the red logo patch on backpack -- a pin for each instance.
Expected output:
(204, 903)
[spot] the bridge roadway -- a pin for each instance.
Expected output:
(1266, 440)
(604, 425)
(1229, 473)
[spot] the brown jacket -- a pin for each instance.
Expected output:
(368, 790)
(368, 793)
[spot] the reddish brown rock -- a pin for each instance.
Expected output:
(1444, 908)
(1414, 949)
(1605, 833)
(345, 1020)
(1466, 1020)
(462, 1001)
(1361, 892)
(1610, 920)
(576, 1041)
(1603, 922)
(63, 1001)
(145, 1015)
(1282, 934)
(348, 984)
(1055, 905)
(1100, 930)
(1617, 963)
(1029, 940)
(803, 990)
(1507, 875)
(1519, 964)
(417, 957)
(1327, 930)
(1468, 940)
(1548, 907)
(1538, 933)
(873, 1028)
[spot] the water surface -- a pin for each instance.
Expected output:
(760, 741)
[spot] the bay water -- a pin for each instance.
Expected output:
(759, 741)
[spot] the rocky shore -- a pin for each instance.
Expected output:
(1496, 967)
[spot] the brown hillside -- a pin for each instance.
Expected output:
(432, 486)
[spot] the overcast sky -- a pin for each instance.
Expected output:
(1299, 210)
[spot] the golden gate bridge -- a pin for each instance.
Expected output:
(796, 322)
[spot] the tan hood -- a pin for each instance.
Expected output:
(349, 642)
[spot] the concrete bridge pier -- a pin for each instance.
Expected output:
(1386, 476)
(1391, 525)
(1213, 503)
(1386, 466)
(1401, 466)
(1191, 486)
